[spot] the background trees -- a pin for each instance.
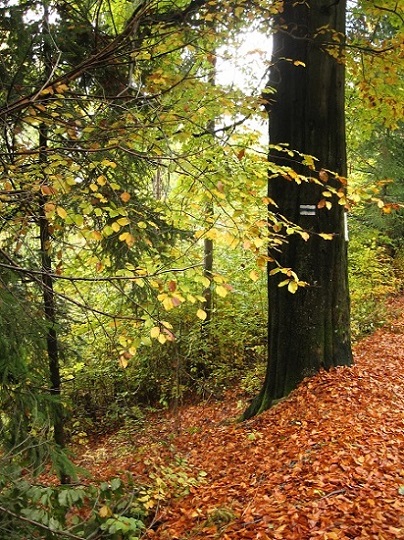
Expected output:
(107, 117)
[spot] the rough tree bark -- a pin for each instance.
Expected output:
(310, 329)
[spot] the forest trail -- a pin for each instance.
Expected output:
(327, 463)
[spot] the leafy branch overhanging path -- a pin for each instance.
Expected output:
(327, 463)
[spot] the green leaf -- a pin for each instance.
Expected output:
(123, 221)
(115, 484)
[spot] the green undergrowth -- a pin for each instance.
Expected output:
(117, 509)
(202, 362)
(374, 276)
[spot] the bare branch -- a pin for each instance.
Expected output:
(392, 11)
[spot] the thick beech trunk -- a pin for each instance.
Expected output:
(310, 329)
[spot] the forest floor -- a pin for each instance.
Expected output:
(326, 463)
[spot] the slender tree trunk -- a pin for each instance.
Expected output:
(207, 272)
(208, 242)
(310, 329)
(46, 277)
(50, 316)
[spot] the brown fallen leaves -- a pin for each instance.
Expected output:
(327, 463)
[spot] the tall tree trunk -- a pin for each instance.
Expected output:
(50, 315)
(46, 277)
(310, 329)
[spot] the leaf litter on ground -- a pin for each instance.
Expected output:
(326, 463)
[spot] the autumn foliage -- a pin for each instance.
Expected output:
(326, 463)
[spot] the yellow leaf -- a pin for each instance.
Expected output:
(162, 339)
(123, 221)
(116, 227)
(168, 303)
(167, 324)
(61, 212)
(60, 88)
(155, 332)
(201, 314)
(205, 281)
(304, 235)
(292, 287)
(212, 234)
(355, 197)
(105, 511)
(254, 276)
(326, 236)
(130, 240)
(258, 242)
(108, 163)
(96, 235)
(101, 180)
(123, 363)
(221, 291)
(309, 161)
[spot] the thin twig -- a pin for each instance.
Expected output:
(332, 493)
